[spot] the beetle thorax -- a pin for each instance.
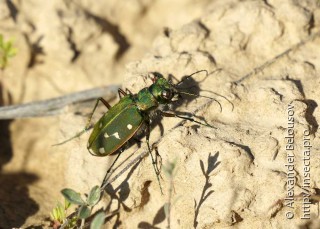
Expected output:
(145, 100)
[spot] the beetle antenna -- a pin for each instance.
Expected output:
(219, 96)
(75, 136)
(192, 75)
(203, 96)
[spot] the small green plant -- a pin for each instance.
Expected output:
(98, 221)
(6, 51)
(59, 214)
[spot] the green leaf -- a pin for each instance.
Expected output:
(54, 214)
(67, 204)
(58, 213)
(94, 196)
(84, 212)
(6, 51)
(72, 196)
(98, 221)
(12, 52)
(7, 46)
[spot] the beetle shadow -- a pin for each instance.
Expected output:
(186, 83)
(189, 85)
(119, 194)
(206, 192)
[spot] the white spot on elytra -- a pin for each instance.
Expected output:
(129, 126)
(100, 125)
(116, 134)
(106, 135)
(101, 150)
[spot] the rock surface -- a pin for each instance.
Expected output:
(237, 174)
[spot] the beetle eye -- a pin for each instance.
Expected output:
(167, 94)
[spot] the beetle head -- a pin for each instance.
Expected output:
(162, 89)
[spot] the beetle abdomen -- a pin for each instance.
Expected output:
(113, 131)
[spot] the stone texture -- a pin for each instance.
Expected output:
(239, 165)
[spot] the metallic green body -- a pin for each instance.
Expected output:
(115, 127)
(125, 118)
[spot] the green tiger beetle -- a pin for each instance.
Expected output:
(122, 121)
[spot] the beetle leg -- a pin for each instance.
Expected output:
(149, 149)
(171, 77)
(75, 136)
(124, 93)
(137, 140)
(168, 114)
(106, 177)
(155, 147)
(121, 93)
(94, 109)
(88, 126)
(128, 91)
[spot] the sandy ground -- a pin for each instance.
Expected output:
(259, 166)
